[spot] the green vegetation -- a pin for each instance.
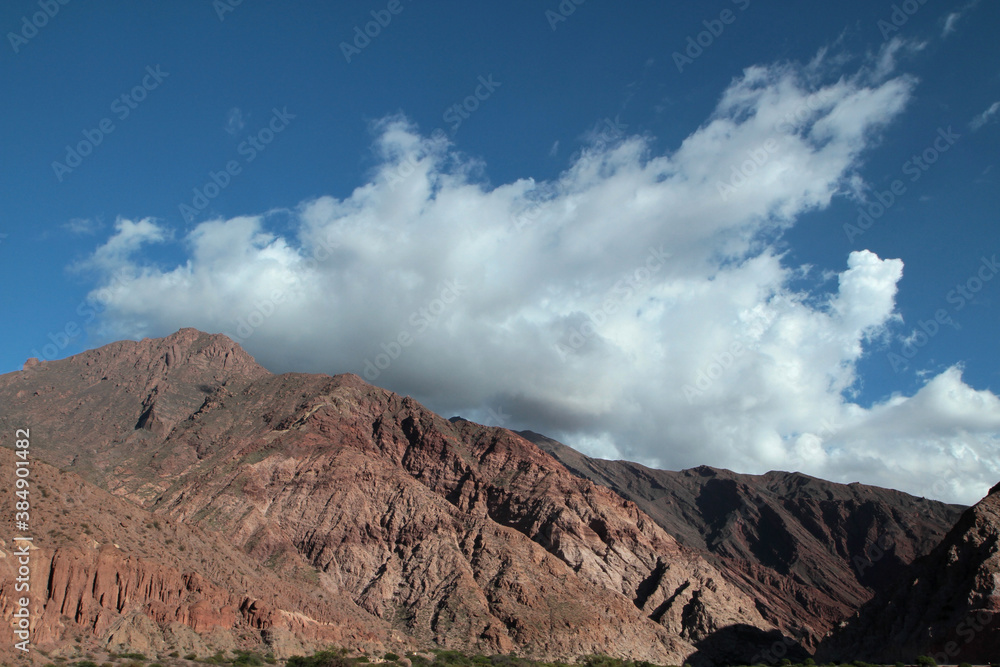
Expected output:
(926, 661)
(331, 658)
(129, 656)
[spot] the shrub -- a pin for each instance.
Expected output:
(191, 656)
(248, 659)
(390, 656)
(331, 658)
(926, 661)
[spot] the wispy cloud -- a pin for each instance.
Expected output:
(951, 21)
(83, 226)
(234, 121)
(985, 117)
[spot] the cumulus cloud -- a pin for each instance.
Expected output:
(636, 306)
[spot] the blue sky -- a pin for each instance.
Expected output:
(631, 227)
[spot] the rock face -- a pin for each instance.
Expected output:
(205, 503)
(105, 569)
(947, 605)
(810, 552)
(430, 531)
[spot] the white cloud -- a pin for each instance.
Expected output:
(634, 306)
(82, 226)
(952, 19)
(129, 237)
(985, 117)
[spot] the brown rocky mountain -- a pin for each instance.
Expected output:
(810, 552)
(103, 568)
(450, 534)
(946, 606)
(226, 506)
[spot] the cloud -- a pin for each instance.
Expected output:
(234, 121)
(635, 306)
(129, 236)
(83, 226)
(952, 19)
(985, 117)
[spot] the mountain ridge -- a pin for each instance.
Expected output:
(448, 533)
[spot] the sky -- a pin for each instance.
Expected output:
(758, 236)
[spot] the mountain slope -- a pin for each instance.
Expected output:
(450, 533)
(810, 552)
(946, 606)
(110, 573)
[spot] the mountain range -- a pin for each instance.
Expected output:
(185, 499)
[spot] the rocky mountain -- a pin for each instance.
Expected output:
(440, 533)
(101, 567)
(191, 501)
(947, 605)
(810, 552)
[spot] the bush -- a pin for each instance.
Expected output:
(926, 661)
(248, 659)
(191, 656)
(390, 656)
(332, 658)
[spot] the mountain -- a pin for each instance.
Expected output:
(101, 567)
(187, 499)
(947, 605)
(808, 551)
(357, 500)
